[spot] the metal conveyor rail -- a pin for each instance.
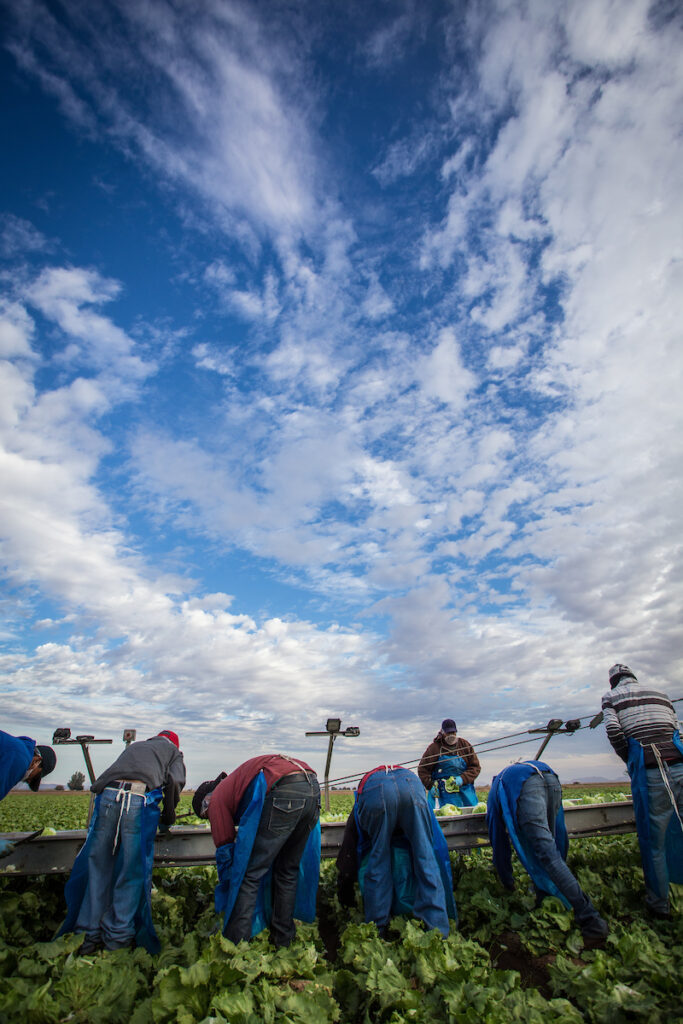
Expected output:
(192, 845)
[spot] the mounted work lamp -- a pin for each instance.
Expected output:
(333, 729)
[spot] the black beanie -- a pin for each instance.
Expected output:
(49, 760)
(201, 791)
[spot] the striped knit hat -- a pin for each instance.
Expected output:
(617, 672)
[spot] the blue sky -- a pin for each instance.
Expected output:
(340, 366)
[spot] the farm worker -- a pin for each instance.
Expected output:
(393, 845)
(643, 729)
(268, 870)
(108, 895)
(525, 806)
(22, 760)
(451, 763)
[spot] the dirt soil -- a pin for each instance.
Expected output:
(328, 933)
(508, 954)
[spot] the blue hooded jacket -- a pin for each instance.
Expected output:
(501, 819)
(16, 754)
(402, 868)
(232, 860)
(674, 836)
(74, 891)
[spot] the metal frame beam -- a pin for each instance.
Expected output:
(192, 845)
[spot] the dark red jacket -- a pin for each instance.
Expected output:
(225, 799)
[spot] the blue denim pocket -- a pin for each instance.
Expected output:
(285, 812)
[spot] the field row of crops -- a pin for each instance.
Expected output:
(25, 812)
(507, 962)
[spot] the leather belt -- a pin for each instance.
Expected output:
(294, 777)
(129, 786)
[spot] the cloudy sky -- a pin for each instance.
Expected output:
(340, 371)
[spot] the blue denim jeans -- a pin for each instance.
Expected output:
(115, 884)
(537, 809)
(660, 812)
(397, 800)
(290, 812)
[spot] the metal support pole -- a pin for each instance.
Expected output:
(88, 762)
(332, 730)
(543, 745)
(63, 737)
(333, 736)
(91, 774)
(553, 726)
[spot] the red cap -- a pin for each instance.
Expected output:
(172, 736)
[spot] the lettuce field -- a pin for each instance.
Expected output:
(507, 961)
(25, 811)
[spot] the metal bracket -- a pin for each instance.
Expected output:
(333, 729)
(62, 737)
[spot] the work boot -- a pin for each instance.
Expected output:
(662, 914)
(131, 944)
(594, 941)
(595, 934)
(89, 946)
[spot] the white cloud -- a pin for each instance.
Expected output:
(65, 295)
(233, 123)
(16, 329)
(381, 469)
(443, 374)
(377, 305)
(59, 534)
(455, 163)
(205, 673)
(388, 43)
(19, 236)
(607, 32)
(402, 159)
(210, 357)
(219, 274)
(504, 358)
(440, 244)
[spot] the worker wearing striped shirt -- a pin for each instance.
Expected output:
(643, 729)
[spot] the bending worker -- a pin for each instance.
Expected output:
(108, 894)
(393, 845)
(22, 760)
(643, 729)
(275, 800)
(525, 806)
(451, 763)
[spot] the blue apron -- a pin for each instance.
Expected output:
(74, 890)
(641, 807)
(501, 819)
(16, 754)
(447, 767)
(232, 860)
(402, 868)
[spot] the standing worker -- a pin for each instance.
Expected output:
(108, 894)
(22, 760)
(643, 729)
(451, 763)
(525, 806)
(393, 845)
(275, 800)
